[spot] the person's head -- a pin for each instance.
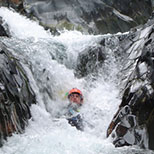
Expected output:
(75, 96)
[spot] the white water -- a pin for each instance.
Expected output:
(44, 135)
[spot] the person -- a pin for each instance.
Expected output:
(75, 98)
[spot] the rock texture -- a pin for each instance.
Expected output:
(90, 60)
(3, 32)
(133, 122)
(15, 4)
(16, 95)
(94, 16)
(99, 16)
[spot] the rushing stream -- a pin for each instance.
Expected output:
(49, 62)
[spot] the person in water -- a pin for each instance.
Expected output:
(75, 98)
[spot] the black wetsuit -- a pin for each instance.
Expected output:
(75, 117)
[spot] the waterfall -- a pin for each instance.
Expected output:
(49, 62)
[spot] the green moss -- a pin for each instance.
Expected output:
(63, 25)
(79, 28)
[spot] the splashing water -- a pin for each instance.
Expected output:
(49, 62)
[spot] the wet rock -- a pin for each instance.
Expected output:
(15, 4)
(132, 8)
(152, 1)
(90, 17)
(16, 96)
(90, 61)
(2, 31)
(133, 122)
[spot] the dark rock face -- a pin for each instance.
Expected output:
(92, 16)
(133, 8)
(152, 1)
(96, 17)
(133, 122)
(2, 30)
(11, 3)
(16, 96)
(15, 4)
(90, 61)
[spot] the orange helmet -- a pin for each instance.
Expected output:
(75, 90)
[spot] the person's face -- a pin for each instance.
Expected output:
(75, 98)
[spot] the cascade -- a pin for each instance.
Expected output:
(50, 63)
